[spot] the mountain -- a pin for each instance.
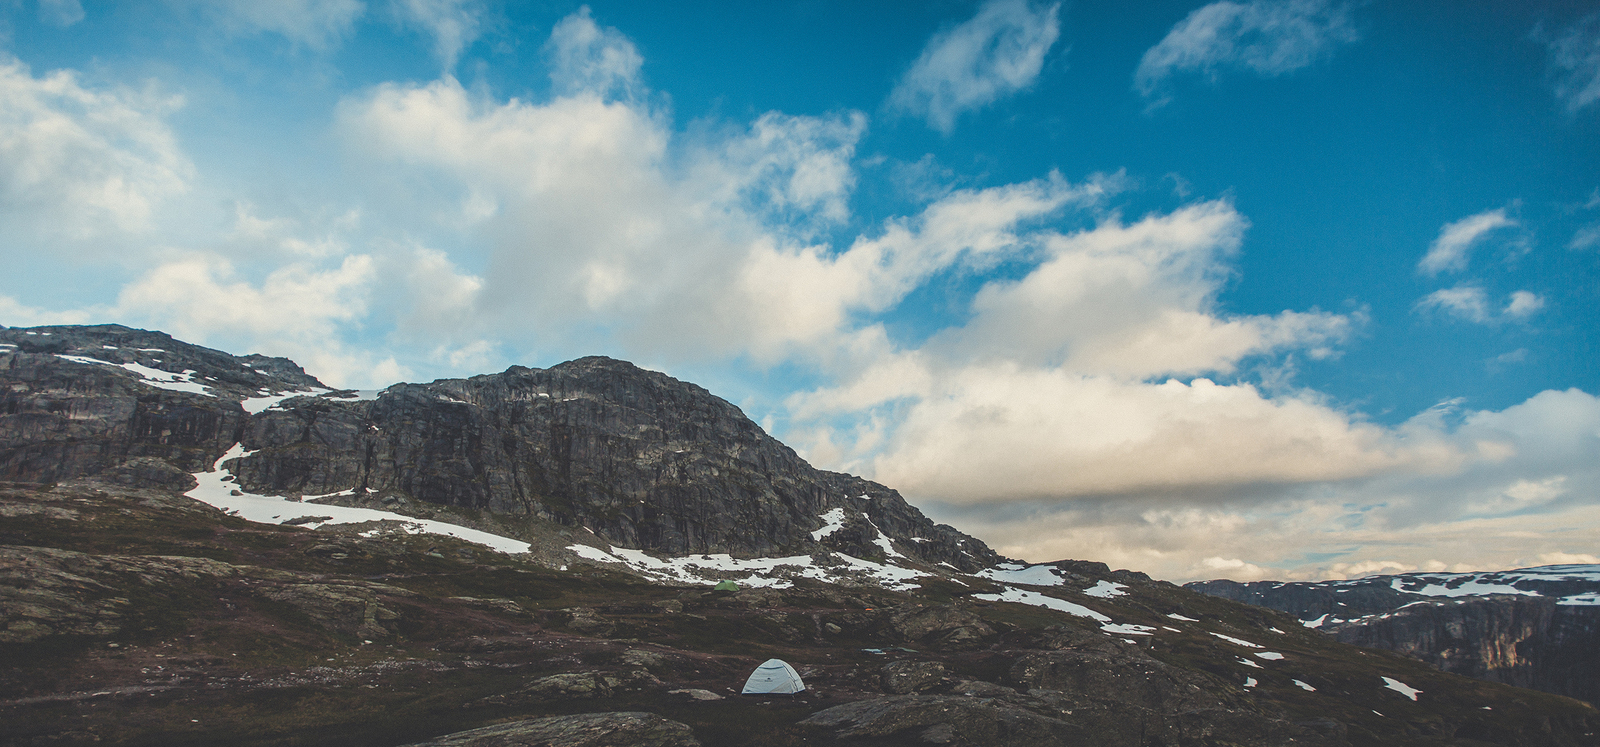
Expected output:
(1533, 627)
(200, 548)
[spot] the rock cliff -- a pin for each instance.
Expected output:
(641, 459)
(1534, 627)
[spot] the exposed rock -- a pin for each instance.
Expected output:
(943, 719)
(623, 729)
(1526, 638)
(696, 694)
(902, 677)
(638, 657)
(45, 591)
(349, 607)
(584, 685)
(946, 627)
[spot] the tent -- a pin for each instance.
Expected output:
(725, 586)
(774, 677)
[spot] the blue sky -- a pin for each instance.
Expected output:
(1282, 288)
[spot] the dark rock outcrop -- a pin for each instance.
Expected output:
(623, 729)
(641, 459)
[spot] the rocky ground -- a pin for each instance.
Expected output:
(137, 616)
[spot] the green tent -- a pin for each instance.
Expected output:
(725, 586)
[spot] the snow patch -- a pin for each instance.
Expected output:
(1269, 655)
(176, 382)
(1008, 573)
(1304, 686)
(1317, 623)
(1591, 599)
(1401, 687)
(832, 521)
(1177, 616)
(1250, 682)
(1036, 599)
(1106, 590)
(1128, 629)
(268, 509)
(1244, 643)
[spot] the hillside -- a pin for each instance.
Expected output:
(1533, 627)
(197, 548)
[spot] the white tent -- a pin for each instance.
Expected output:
(774, 677)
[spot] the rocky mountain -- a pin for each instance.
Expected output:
(1534, 627)
(198, 548)
(638, 458)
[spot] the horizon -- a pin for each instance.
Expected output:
(1280, 289)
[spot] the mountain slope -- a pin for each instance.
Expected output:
(1534, 627)
(640, 459)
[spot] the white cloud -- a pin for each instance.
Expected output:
(1471, 303)
(453, 24)
(690, 246)
(1463, 302)
(60, 13)
(14, 314)
(1585, 237)
(1267, 37)
(1451, 250)
(81, 162)
(585, 58)
(996, 53)
(1046, 392)
(1523, 304)
(1519, 493)
(297, 310)
(1575, 58)
(318, 24)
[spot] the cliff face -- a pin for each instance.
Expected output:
(1536, 628)
(641, 459)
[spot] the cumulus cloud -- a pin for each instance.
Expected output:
(585, 58)
(1518, 494)
(1047, 392)
(1575, 60)
(297, 310)
(1266, 37)
(996, 53)
(81, 162)
(318, 24)
(1452, 249)
(453, 24)
(690, 246)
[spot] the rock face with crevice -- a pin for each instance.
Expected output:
(641, 459)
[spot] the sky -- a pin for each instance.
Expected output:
(1277, 289)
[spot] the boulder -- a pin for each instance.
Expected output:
(943, 719)
(902, 677)
(619, 729)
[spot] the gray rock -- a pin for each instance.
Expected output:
(586, 685)
(947, 627)
(902, 677)
(940, 719)
(347, 607)
(621, 729)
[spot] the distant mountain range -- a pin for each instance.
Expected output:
(1533, 627)
(201, 548)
